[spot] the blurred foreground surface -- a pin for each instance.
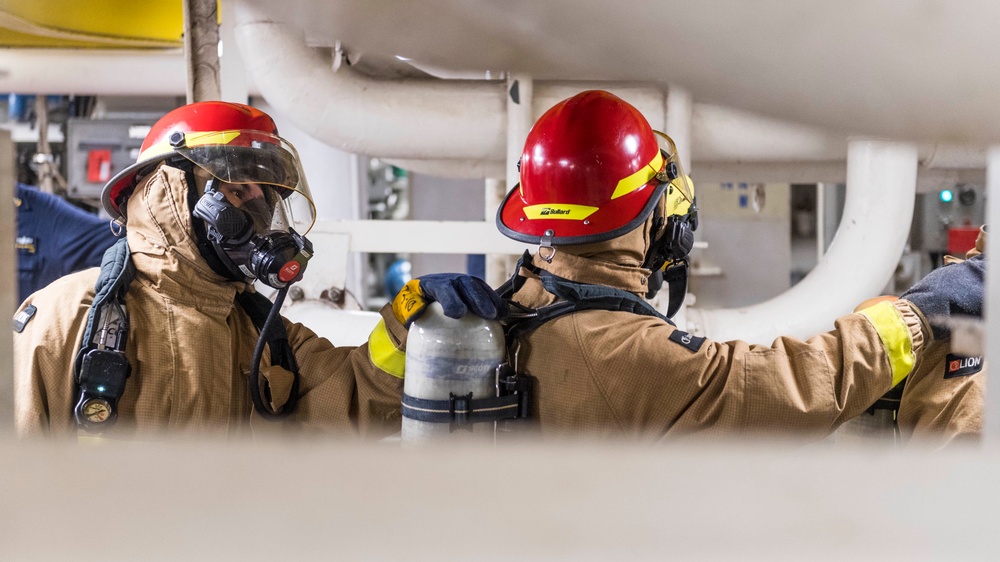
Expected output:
(525, 501)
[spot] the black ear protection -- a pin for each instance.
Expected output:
(672, 239)
(679, 235)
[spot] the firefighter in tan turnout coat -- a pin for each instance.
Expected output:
(612, 212)
(215, 201)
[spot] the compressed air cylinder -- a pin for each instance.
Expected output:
(446, 356)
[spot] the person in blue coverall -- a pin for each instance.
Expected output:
(54, 238)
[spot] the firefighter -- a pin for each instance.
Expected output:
(169, 335)
(941, 403)
(612, 215)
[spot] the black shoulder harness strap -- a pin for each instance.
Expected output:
(117, 272)
(575, 297)
(101, 367)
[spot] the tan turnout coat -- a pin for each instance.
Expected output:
(937, 407)
(190, 346)
(619, 374)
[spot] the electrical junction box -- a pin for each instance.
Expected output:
(945, 216)
(97, 149)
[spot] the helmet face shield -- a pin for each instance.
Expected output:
(208, 126)
(256, 170)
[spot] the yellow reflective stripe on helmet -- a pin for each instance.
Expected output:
(190, 140)
(384, 354)
(896, 339)
(212, 137)
(559, 211)
(640, 178)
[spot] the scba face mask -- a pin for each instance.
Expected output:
(255, 205)
(254, 198)
(248, 228)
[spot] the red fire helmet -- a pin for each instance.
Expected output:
(235, 143)
(591, 170)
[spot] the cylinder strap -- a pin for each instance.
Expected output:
(463, 409)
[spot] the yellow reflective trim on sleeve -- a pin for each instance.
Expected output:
(384, 354)
(640, 178)
(896, 339)
(559, 211)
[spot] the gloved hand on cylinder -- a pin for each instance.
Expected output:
(457, 293)
(955, 289)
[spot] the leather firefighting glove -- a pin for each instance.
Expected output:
(457, 293)
(955, 289)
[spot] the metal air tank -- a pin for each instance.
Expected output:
(449, 359)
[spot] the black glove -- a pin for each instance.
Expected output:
(955, 289)
(457, 294)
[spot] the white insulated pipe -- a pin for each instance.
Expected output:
(388, 119)
(881, 183)
(459, 123)
(93, 72)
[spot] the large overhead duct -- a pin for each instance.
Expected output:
(465, 120)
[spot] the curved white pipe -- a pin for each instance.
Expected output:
(452, 119)
(465, 120)
(718, 134)
(389, 119)
(881, 182)
(401, 119)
